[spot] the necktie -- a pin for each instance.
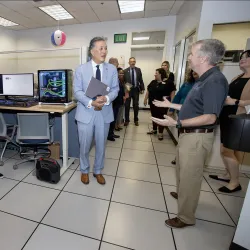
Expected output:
(133, 77)
(98, 73)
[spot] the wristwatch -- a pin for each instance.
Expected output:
(178, 125)
(237, 102)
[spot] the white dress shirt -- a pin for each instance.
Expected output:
(94, 75)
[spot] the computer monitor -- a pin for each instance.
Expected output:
(55, 86)
(17, 84)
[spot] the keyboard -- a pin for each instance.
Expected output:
(18, 103)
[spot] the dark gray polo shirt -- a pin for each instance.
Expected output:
(206, 97)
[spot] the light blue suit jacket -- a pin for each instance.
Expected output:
(83, 75)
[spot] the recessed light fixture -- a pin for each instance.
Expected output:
(131, 6)
(141, 38)
(6, 23)
(57, 12)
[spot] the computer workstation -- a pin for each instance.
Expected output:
(17, 91)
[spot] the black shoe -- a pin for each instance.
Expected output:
(228, 191)
(136, 123)
(215, 177)
(116, 136)
(110, 138)
(1, 176)
(152, 132)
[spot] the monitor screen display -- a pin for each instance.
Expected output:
(52, 84)
(17, 84)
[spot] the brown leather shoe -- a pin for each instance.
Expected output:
(176, 223)
(174, 194)
(136, 123)
(100, 179)
(126, 123)
(85, 179)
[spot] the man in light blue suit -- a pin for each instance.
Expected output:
(94, 116)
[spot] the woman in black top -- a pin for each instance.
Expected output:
(165, 65)
(238, 99)
(156, 90)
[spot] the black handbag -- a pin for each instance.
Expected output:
(237, 133)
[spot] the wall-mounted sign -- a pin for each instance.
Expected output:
(120, 38)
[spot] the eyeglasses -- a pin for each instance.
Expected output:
(245, 54)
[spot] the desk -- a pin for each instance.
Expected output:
(60, 109)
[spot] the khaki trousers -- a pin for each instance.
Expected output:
(192, 151)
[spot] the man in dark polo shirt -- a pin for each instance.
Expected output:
(196, 123)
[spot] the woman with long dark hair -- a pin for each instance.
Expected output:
(156, 90)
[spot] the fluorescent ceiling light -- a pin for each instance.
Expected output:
(57, 12)
(131, 6)
(6, 23)
(141, 38)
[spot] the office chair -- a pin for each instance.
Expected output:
(7, 133)
(34, 134)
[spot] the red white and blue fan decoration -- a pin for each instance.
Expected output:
(58, 38)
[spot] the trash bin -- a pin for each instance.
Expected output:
(237, 134)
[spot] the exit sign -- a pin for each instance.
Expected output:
(120, 38)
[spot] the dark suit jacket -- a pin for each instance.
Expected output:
(139, 79)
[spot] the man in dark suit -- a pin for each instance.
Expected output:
(133, 76)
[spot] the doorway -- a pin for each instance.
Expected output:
(148, 60)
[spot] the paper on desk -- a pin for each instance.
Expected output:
(96, 88)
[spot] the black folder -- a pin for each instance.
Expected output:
(96, 88)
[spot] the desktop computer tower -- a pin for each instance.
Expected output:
(55, 86)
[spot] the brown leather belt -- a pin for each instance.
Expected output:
(197, 130)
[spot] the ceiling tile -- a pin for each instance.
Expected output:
(76, 6)
(38, 16)
(133, 15)
(69, 22)
(108, 14)
(156, 13)
(103, 4)
(159, 5)
(176, 7)
(17, 5)
(20, 19)
(88, 17)
(4, 9)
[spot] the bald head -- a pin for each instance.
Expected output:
(114, 61)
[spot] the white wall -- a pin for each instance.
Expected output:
(187, 19)
(8, 63)
(80, 34)
(149, 60)
(215, 12)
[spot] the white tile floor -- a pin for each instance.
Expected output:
(127, 213)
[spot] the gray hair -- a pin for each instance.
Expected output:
(113, 59)
(213, 49)
(93, 41)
